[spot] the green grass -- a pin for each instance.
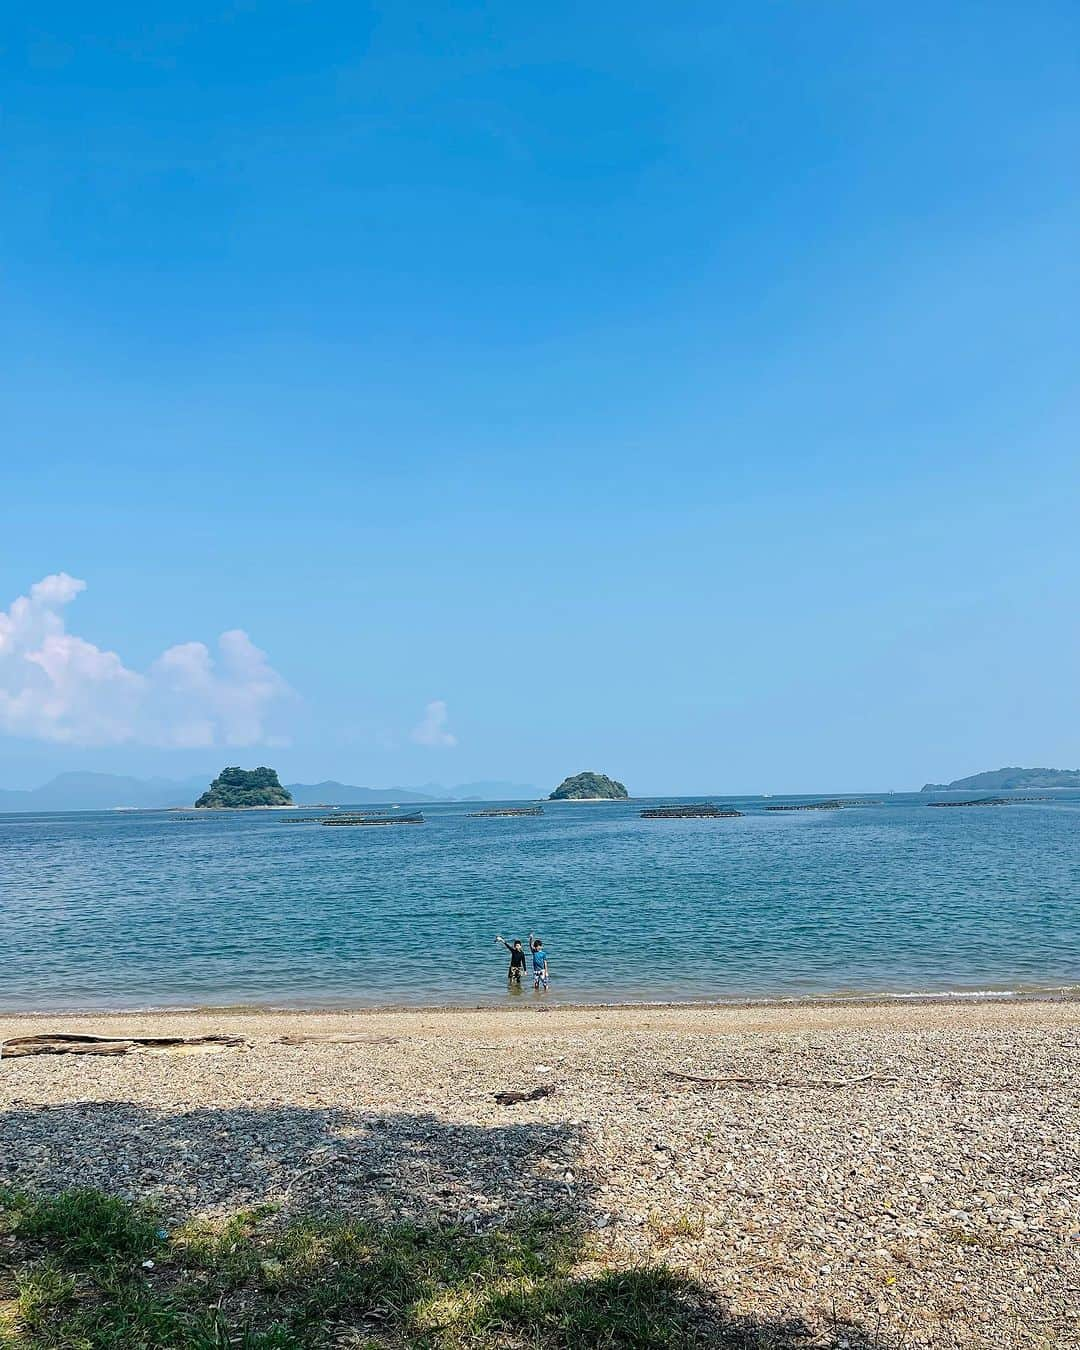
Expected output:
(687, 1224)
(73, 1276)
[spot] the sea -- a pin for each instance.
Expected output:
(127, 910)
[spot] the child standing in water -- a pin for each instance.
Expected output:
(539, 962)
(517, 959)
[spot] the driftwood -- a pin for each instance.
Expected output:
(782, 1082)
(512, 1098)
(72, 1043)
(335, 1038)
(954, 1084)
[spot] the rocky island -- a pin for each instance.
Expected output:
(589, 787)
(1006, 779)
(235, 788)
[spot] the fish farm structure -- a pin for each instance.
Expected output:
(413, 818)
(807, 806)
(689, 811)
(979, 801)
(507, 811)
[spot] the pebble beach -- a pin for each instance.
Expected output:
(909, 1170)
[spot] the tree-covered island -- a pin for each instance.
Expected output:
(234, 788)
(589, 787)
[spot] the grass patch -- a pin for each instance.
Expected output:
(85, 1225)
(82, 1271)
(689, 1224)
(967, 1237)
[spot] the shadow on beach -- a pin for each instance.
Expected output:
(389, 1165)
(366, 1222)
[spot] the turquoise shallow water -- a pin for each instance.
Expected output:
(144, 909)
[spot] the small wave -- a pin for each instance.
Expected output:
(958, 993)
(883, 995)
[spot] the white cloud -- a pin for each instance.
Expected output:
(431, 729)
(55, 686)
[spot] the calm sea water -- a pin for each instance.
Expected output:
(146, 909)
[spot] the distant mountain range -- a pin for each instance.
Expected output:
(1011, 778)
(106, 791)
(101, 792)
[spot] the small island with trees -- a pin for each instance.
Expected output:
(235, 788)
(589, 787)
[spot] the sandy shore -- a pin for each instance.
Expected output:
(912, 1169)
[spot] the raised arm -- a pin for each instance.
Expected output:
(499, 938)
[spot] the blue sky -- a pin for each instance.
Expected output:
(685, 392)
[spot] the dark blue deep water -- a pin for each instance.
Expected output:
(148, 909)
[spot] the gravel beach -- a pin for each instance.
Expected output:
(913, 1171)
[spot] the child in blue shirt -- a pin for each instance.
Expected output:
(539, 963)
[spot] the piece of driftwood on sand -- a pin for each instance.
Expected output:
(73, 1043)
(738, 1081)
(512, 1098)
(335, 1038)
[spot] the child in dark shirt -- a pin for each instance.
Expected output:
(517, 959)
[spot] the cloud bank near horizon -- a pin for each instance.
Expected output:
(55, 686)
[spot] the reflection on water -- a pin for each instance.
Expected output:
(149, 909)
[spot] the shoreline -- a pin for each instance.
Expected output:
(522, 1005)
(459, 1022)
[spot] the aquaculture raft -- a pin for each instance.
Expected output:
(689, 812)
(507, 811)
(979, 801)
(413, 818)
(807, 806)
